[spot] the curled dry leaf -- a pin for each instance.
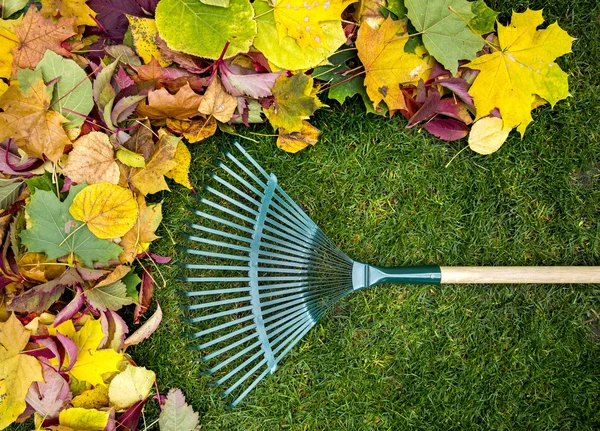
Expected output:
(144, 331)
(108, 210)
(92, 160)
(193, 130)
(151, 178)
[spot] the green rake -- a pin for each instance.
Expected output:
(277, 274)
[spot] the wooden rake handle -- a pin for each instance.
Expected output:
(519, 274)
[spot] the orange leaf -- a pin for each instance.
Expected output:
(162, 104)
(193, 130)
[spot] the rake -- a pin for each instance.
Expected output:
(276, 274)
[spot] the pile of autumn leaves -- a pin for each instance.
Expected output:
(98, 101)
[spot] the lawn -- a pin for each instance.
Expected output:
(413, 357)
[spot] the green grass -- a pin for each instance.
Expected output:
(414, 357)
(448, 357)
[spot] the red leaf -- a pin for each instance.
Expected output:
(447, 129)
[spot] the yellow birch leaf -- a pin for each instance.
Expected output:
(80, 419)
(217, 102)
(144, 33)
(180, 173)
(130, 386)
(138, 239)
(92, 160)
(108, 210)
(95, 398)
(487, 135)
(17, 371)
(193, 130)
(8, 41)
(69, 8)
(91, 363)
(523, 66)
(386, 64)
(296, 141)
(151, 178)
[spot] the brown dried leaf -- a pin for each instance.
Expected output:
(162, 104)
(193, 130)
(151, 179)
(92, 160)
(218, 102)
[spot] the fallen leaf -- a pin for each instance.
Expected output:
(55, 232)
(80, 419)
(180, 173)
(108, 210)
(162, 104)
(139, 237)
(50, 396)
(130, 386)
(387, 65)
(144, 33)
(151, 178)
(71, 308)
(447, 129)
(484, 18)
(10, 7)
(37, 35)
(30, 121)
(131, 159)
(217, 102)
(17, 371)
(69, 8)
(145, 296)
(193, 130)
(110, 297)
(35, 267)
(296, 141)
(8, 41)
(239, 81)
(521, 67)
(91, 363)
(295, 100)
(146, 330)
(176, 415)
(487, 135)
(95, 398)
(112, 16)
(92, 160)
(115, 329)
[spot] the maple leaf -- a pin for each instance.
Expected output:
(387, 65)
(301, 19)
(17, 371)
(29, 120)
(151, 179)
(92, 160)
(36, 35)
(521, 67)
(446, 34)
(217, 102)
(295, 100)
(68, 9)
(8, 41)
(294, 142)
(139, 237)
(162, 104)
(91, 362)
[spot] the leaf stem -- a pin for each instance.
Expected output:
(71, 234)
(471, 28)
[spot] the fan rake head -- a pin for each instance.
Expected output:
(260, 272)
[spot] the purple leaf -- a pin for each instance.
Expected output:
(124, 108)
(149, 6)
(146, 329)
(188, 62)
(11, 163)
(437, 71)
(242, 82)
(49, 397)
(459, 87)
(72, 307)
(115, 329)
(428, 110)
(40, 298)
(91, 274)
(129, 419)
(447, 129)
(70, 348)
(159, 259)
(454, 108)
(123, 80)
(111, 16)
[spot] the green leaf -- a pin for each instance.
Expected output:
(484, 20)
(129, 158)
(397, 8)
(285, 53)
(9, 192)
(55, 232)
(110, 297)
(73, 89)
(220, 3)
(11, 6)
(445, 32)
(131, 281)
(294, 101)
(200, 29)
(40, 182)
(176, 415)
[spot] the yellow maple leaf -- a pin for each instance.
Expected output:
(180, 173)
(68, 9)
(387, 66)
(108, 210)
(301, 19)
(144, 33)
(91, 363)
(28, 119)
(521, 67)
(17, 371)
(8, 41)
